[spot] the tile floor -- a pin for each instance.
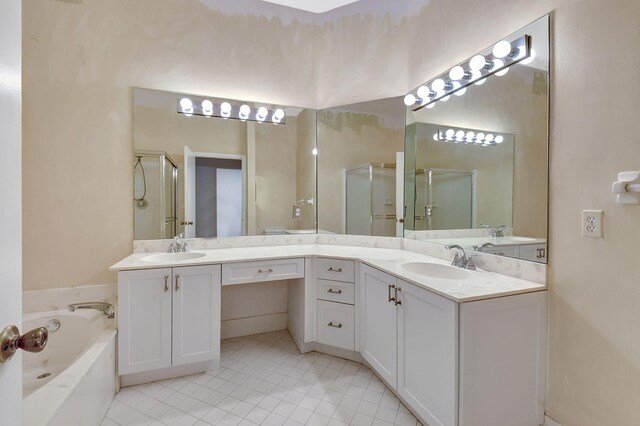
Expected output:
(264, 380)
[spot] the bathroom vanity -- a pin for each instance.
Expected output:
(458, 347)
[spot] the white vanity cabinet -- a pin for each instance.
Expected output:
(477, 363)
(335, 293)
(168, 317)
(409, 337)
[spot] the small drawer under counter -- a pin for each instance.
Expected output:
(335, 269)
(336, 324)
(336, 291)
(260, 271)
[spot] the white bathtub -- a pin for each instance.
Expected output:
(80, 361)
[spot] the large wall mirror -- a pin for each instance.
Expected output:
(359, 146)
(202, 171)
(476, 165)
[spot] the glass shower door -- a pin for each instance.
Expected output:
(444, 200)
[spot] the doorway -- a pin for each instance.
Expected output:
(215, 194)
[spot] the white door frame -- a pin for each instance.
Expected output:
(243, 160)
(11, 196)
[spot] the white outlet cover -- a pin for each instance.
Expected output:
(592, 223)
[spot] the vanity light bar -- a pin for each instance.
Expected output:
(469, 136)
(495, 60)
(206, 108)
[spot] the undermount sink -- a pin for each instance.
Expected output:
(436, 270)
(171, 257)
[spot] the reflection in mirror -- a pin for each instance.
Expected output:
(209, 176)
(477, 164)
(358, 150)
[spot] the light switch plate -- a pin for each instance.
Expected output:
(592, 223)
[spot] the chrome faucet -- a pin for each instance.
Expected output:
(498, 232)
(177, 246)
(461, 260)
(105, 308)
(483, 246)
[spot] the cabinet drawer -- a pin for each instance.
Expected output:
(270, 270)
(335, 269)
(336, 324)
(533, 252)
(508, 251)
(336, 291)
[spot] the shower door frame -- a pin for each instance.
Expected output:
(163, 158)
(371, 215)
(430, 200)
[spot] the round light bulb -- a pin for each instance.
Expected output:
(262, 113)
(477, 62)
(314, 151)
(531, 57)
(207, 107)
(435, 137)
(502, 72)
(480, 82)
(480, 137)
(279, 114)
(460, 134)
(502, 49)
(446, 98)
(225, 109)
(461, 92)
(424, 92)
(437, 85)
(431, 105)
(186, 105)
(489, 137)
(409, 100)
(456, 73)
(497, 63)
(450, 133)
(244, 111)
(499, 139)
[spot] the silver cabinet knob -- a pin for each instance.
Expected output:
(11, 340)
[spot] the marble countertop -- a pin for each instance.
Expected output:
(481, 284)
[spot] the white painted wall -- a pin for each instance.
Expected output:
(11, 202)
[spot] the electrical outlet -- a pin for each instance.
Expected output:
(592, 223)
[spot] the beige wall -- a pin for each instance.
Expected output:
(81, 58)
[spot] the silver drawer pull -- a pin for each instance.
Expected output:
(262, 271)
(166, 283)
(334, 325)
(334, 270)
(334, 291)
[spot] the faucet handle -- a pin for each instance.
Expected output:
(469, 264)
(185, 247)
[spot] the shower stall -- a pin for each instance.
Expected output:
(371, 200)
(444, 199)
(155, 188)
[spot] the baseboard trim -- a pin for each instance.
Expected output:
(548, 421)
(253, 325)
(168, 373)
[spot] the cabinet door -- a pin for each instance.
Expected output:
(196, 314)
(427, 353)
(144, 320)
(533, 252)
(378, 331)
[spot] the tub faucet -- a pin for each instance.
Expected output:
(498, 232)
(105, 308)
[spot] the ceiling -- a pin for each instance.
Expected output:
(314, 6)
